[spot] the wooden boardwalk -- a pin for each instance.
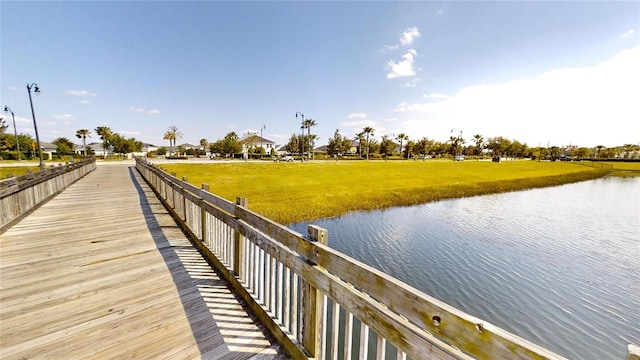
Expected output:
(102, 271)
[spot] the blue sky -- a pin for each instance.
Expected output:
(538, 72)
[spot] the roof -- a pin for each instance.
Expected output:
(255, 140)
(46, 145)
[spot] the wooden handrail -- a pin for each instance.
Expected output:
(268, 263)
(21, 195)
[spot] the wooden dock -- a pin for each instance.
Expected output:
(102, 271)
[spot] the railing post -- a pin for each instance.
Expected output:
(313, 305)
(633, 352)
(237, 241)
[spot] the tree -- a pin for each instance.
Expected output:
(360, 139)
(122, 145)
(3, 134)
(402, 137)
(479, 141)
(408, 148)
(228, 146)
(105, 134)
(599, 147)
(308, 124)
(204, 143)
(338, 144)
(423, 147)
(581, 153)
(172, 134)
(369, 132)
(386, 146)
(63, 145)
(498, 145)
(83, 134)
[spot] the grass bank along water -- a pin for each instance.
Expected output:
(294, 192)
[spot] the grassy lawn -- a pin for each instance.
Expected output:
(17, 170)
(292, 192)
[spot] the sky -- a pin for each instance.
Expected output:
(540, 72)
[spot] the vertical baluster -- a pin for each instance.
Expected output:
(274, 299)
(335, 330)
(287, 297)
(294, 307)
(261, 277)
(364, 341)
(256, 271)
(268, 284)
(381, 348)
(348, 335)
(280, 292)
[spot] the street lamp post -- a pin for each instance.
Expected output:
(15, 131)
(36, 89)
(261, 148)
(302, 136)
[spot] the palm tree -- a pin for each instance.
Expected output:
(369, 131)
(360, 139)
(402, 137)
(204, 143)
(479, 143)
(308, 124)
(83, 134)
(172, 134)
(105, 134)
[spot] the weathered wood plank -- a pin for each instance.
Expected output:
(102, 271)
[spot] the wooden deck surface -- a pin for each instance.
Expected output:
(102, 271)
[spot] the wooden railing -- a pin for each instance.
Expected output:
(320, 303)
(21, 195)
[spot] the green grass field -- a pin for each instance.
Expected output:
(293, 192)
(17, 170)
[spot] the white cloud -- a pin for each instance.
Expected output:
(629, 33)
(406, 39)
(403, 68)
(63, 117)
(409, 35)
(144, 111)
(127, 132)
(584, 106)
(85, 101)
(357, 124)
(80, 93)
(435, 96)
(357, 116)
(19, 120)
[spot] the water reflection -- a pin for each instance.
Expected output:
(558, 266)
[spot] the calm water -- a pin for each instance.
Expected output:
(558, 266)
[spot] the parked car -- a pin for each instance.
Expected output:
(459, 158)
(287, 158)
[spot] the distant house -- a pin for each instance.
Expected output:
(48, 148)
(354, 148)
(188, 146)
(322, 148)
(146, 148)
(281, 150)
(255, 141)
(97, 149)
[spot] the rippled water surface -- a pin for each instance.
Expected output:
(558, 266)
